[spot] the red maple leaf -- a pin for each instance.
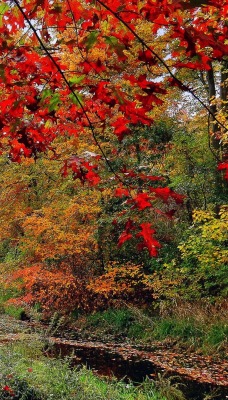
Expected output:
(147, 57)
(124, 237)
(121, 192)
(92, 178)
(121, 128)
(166, 193)
(224, 166)
(142, 201)
(149, 242)
(6, 388)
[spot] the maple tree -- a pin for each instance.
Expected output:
(110, 90)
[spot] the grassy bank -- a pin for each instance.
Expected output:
(28, 375)
(196, 328)
(200, 327)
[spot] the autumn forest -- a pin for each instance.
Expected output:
(114, 170)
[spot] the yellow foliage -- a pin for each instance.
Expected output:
(207, 242)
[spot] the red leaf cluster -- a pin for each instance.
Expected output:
(82, 170)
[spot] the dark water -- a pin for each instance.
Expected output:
(130, 364)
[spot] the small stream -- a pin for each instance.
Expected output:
(198, 375)
(128, 363)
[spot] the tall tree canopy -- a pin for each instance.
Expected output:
(76, 66)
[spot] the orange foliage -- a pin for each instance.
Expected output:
(54, 290)
(123, 282)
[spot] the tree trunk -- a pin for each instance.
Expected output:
(213, 108)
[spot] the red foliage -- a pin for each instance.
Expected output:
(43, 100)
(142, 201)
(224, 166)
(148, 240)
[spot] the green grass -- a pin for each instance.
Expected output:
(125, 322)
(30, 376)
(115, 321)
(176, 328)
(216, 335)
(6, 294)
(14, 311)
(209, 336)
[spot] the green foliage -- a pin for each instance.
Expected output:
(3, 8)
(136, 331)
(208, 338)
(167, 253)
(191, 165)
(115, 321)
(8, 293)
(19, 390)
(169, 389)
(4, 248)
(56, 324)
(14, 311)
(91, 39)
(129, 323)
(216, 335)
